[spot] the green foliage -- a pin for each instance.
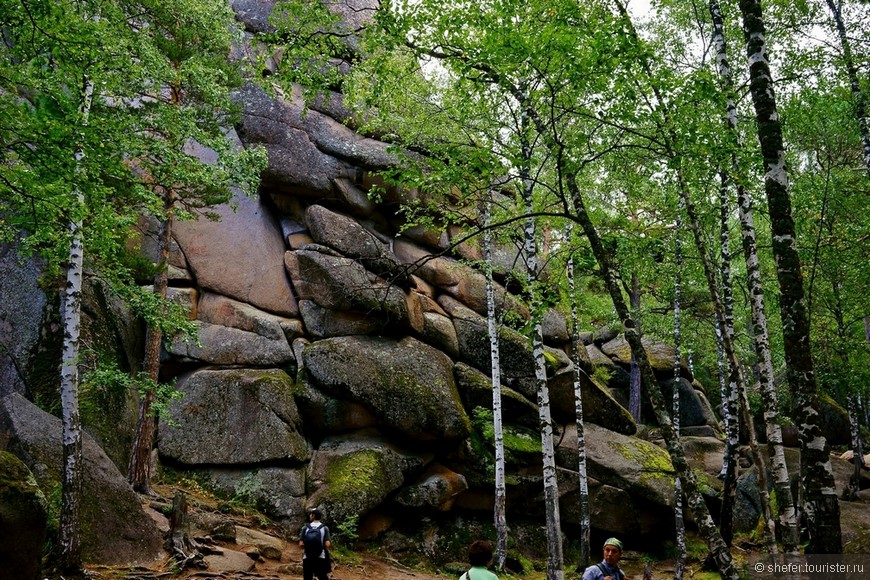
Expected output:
(107, 378)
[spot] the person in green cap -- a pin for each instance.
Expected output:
(607, 569)
(479, 556)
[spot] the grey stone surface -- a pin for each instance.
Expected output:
(108, 501)
(236, 416)
(407, 384)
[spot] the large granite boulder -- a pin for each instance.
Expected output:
(350, 476)
(108, 503)
(349, 238)
(22, 310)
(599, 406)
(516, 362)
(340, 283)
(234, 416)
(407, 384)
(633, 465)
(240, 256)
(661, 356)
(476, 390)
(222, 345)
(23, 520)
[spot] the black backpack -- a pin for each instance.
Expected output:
(312, 540)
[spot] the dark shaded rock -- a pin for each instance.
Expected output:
(22, 311)
(236, 416)
(516, 362)
(108, 501)
(747, 504)
(324, 323)
(694, 410)
(834, 421)
(407, 384)
(222, 345)
(599, 406)
(349, 238)
(476, 390)
(325, 415)
(343, 284)
(23, 520)
(254, 14)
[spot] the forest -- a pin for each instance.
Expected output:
(693, 171)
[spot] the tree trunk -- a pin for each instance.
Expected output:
(583, 480)
(139, 468)
(741, 385)
(718, 550)
(69, 539)
(787, 511)
(551, 490)
(499, 509)
(729, 457)
(634, 372)
(679, 522)
(854, 84)
(822, 509)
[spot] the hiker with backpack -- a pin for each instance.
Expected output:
(315, 542)
(479, 556)
(608, 568)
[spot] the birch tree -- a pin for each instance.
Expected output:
(761, 340)
(500, 507)
(822, 509)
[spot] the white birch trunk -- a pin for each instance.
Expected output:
(679, 522)
(776, 453)
(820, 500)
(500, 507)
(71, 477)
(551, 489)
(583, 479)
(742, 386)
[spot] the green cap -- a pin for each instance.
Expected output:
(614, 542)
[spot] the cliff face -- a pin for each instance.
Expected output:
(344, 362)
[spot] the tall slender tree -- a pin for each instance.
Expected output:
(500, 505)
(821, 507)
(787, 509)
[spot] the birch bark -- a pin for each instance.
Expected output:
(761, 340)
(821, 507)
(69, 538)
(500, 507)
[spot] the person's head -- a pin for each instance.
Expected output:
(612, 551)
(314, 515)
(480, 553)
